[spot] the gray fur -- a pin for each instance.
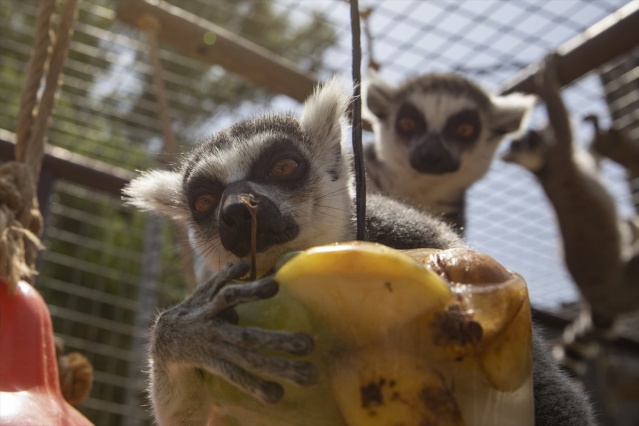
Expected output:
(200, 333)
(558, 402)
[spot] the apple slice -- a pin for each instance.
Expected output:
(490, 322)
(362, 290)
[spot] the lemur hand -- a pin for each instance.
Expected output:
(201, 334)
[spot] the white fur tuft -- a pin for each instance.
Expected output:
(325, 108)
(375, 96)
(512, 113)
(157, 191)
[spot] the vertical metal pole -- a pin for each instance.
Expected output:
(147, 301)
(358, 150)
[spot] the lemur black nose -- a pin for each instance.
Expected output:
(235, 213)
(432, 156)
(429, 153)
(235, 221)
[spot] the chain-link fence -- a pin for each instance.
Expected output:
(102, 261)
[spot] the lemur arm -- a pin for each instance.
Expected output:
(558, 399)
(549, 88)
(199, 335)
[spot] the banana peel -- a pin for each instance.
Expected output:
(401, 338)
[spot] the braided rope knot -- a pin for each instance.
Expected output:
(20, 223)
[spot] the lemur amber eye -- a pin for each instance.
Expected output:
(205, 203)
(284, 168)
(465, 130)
(407, 124)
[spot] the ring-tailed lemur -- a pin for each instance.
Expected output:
(298, 174)
(600, 250)
(616, 145)
(436, 135)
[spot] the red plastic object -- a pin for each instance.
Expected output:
(29, 386)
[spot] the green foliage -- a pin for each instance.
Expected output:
(107, 109)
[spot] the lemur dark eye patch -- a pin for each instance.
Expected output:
(203, 194)
(464, 126)
(409, 121)
(280, 163)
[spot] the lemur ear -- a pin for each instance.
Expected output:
(157, 191)
(324, 116)
(511, 113)
(377, 95)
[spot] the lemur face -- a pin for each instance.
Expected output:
(434, 131)
(529, 151)
(291, 169)
(441, 123)
(257, 162)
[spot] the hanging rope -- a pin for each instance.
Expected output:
(151, 27)
(35, 71)
(20, 218)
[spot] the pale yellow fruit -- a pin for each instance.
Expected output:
(488, 327)
(378, 386)
(401, 338)
(362, 290)
(506, 358)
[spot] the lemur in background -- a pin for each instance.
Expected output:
(600, 250)
(436, 135)
(297, 171)
(617, 146)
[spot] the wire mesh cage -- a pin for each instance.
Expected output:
(107, 270)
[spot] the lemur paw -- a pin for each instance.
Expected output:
(547, 74)
(201, 333)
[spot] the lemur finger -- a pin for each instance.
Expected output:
(234, 294)
(249, 338)
(538, 79)
(261, 389)
(303, 373)
(230, 316)
(230, 272)
(551, 66)
(546, 74)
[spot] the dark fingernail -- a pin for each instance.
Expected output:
(230, 315)
(268, 288)
(302, 344)
(241, 268)
(273, 392)
(308, 374)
